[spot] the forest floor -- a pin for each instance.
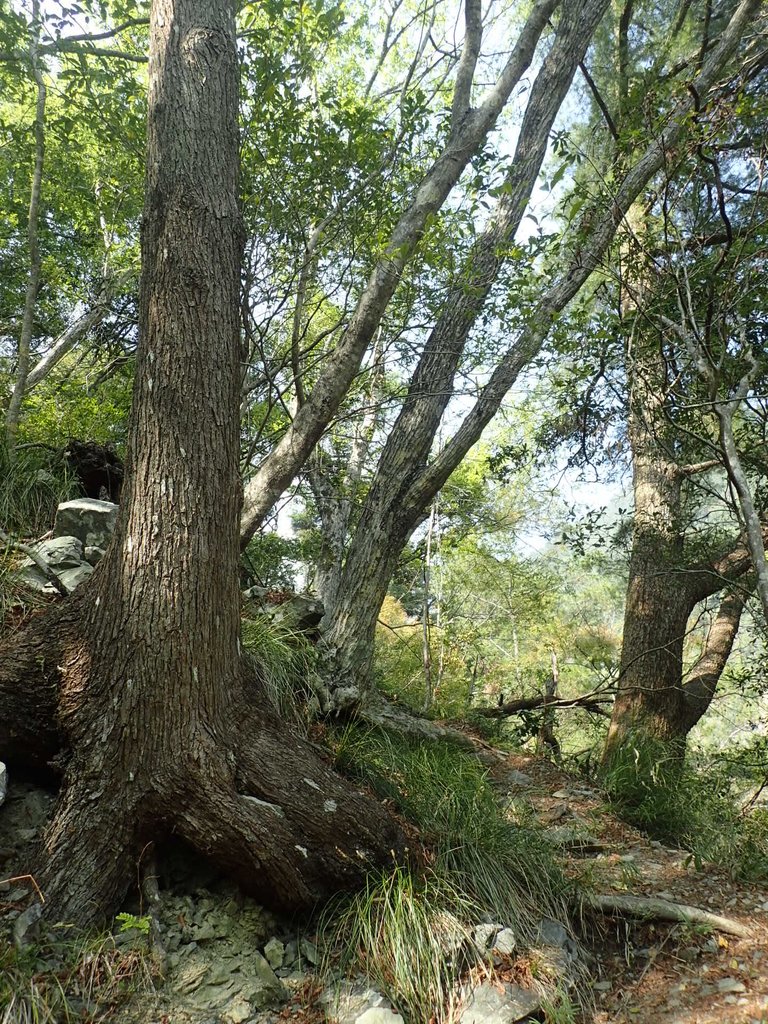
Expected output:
(639, 972)
(649, 972)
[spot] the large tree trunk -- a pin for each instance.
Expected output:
(656, 702)
(138, 679)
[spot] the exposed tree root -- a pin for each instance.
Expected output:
(653, 908)
(241, 788)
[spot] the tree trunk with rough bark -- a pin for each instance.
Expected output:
(655, 700)
(136, 684)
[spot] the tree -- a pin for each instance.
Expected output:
(409, 474)
(136, 685)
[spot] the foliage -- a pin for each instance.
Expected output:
(692, 804)
(285, 662)
(410, 930)
(409, 934)
(32, 484)
(66, 981)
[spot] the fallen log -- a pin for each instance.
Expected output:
(587, 702)
(654, 908)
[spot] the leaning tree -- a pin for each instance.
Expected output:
(134, 690)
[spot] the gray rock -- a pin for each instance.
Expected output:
(72, 578)
(26, 927)
(3, 782)
(505, 942)
(274, 951)
(90, 520)
(552, 933)
(731, 985)
(484, 934)
(94, 555)
(516, 778)
(59, 551)
(262, 988)
(379, 1015)
(309, 951)
(347, 1001)
(487, 1005)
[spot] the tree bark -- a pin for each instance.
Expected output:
(653, 700)
(137, 680)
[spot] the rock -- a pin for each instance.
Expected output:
(3, 782)
(90, 520)
(274, 951)
(309, 951)
(505, 942)
(731, 985)
(552, 933)
(347, 1001)
(301, 612)
(484, 934)
(61, 551)
(516, 778)
(72, 578)
(239, 1010)
(94, 555)
(487, 1005)
(26, 927)
(379, 1015)
(262, 988)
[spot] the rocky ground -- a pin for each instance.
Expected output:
(646, 973)
(228, 961)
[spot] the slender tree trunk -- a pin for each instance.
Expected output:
(138, 680)
(33, 277)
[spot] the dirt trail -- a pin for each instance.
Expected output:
(651, 972)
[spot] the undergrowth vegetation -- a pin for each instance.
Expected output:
(66, 981)
(32, 484)
(285, 662)
(692, 804)
(411, 930)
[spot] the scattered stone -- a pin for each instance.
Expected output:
(3, 782)
(487, 1004)
(379, 1015)
(484, 934)
(309, 951)
(26, 927)
(561, 794)
(603, 986)
(731, 985)
(348, 1001)
(505, 942)
(274, 951)
(516, 778)
(552, 933)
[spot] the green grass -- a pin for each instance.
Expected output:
(690, 804)
(285, 662)
(410, 931)
(70, 981)
(32, 484)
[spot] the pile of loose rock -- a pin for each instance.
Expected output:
(80, 536)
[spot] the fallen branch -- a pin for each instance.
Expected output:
(662, 910)
(588, 702)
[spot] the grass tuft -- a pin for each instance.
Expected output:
(32, 484)
(690, 804)
(63, 982)
(286, 664)
(410, 931)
